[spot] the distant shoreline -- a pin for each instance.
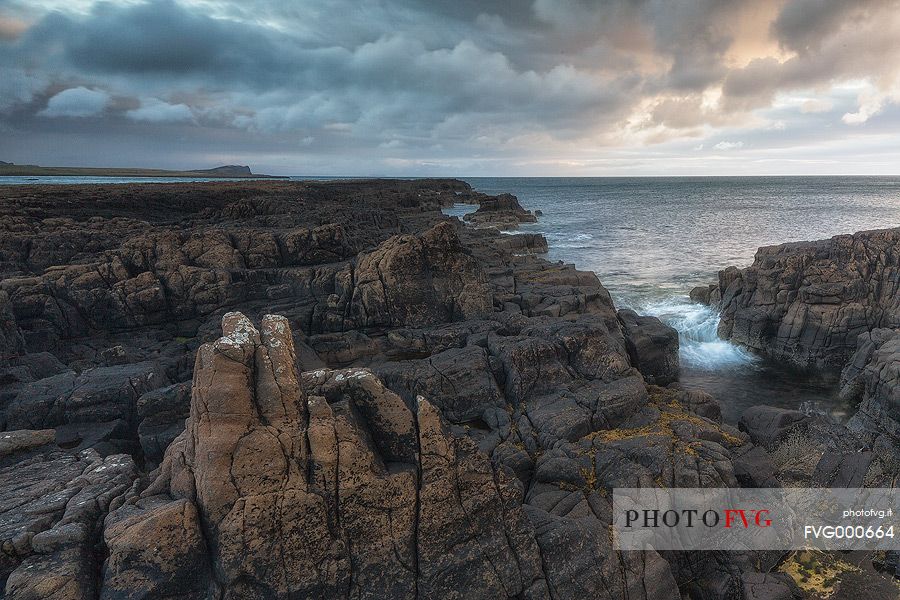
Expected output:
(38, 171)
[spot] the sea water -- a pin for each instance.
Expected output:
(650, 240)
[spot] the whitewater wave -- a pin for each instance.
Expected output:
(569, 237)
(569, 241)
(700, 346)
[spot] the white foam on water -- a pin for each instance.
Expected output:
(568, 240)
(459, 209)
(570, 237)
(700, 346)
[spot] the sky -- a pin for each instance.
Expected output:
(455, 87)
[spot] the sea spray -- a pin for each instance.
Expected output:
(700, 345)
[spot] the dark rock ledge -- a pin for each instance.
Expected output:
(806, 303)
(828, 307)
(433, 412)
(832, 306)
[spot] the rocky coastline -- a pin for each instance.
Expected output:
(332, 390)
(830, 307)
(806, 303)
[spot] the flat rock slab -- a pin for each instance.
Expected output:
(836, 469)
(766, 425)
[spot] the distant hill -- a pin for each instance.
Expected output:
(228, 171)
(9, 169)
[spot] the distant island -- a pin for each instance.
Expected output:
(229, 171)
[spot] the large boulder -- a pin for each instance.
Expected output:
(705, 294)
(767, 425)
(503, 212)
(652, 346)
(753, 467)
(96, 395)
(458, 381)
(837, 469)
(137, 569)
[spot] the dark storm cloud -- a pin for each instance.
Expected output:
(395, 84)
(406, 80)
(804, 24)
(156, 38)
(165, 40)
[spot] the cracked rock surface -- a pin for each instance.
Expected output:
(52, 503)
(806, 302)
(872, 379)
(834, 306)
(329, 488)
(435, 411)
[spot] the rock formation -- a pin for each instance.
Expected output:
(503, 212)
(828, 306)
(331, 485)
(412, 281)
(52, 502)
(806, 302)
(652, 346)
(831, 305)
(334, 488)
(871, 381)
(436, 412)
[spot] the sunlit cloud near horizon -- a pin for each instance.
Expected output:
(492, 87)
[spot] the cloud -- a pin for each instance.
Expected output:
(415, 81)
(804, 24)
(723, 145)
(870, 103)
(679, 113)
(831, 42)
(76, 102)
(155, 110)
(816, 105)
(18, 86)
(159, 38)
(11, 28)
(276, 82)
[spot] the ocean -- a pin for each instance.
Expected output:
(650, 240)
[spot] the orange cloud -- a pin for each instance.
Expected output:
(751, 35)
(11, 28)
